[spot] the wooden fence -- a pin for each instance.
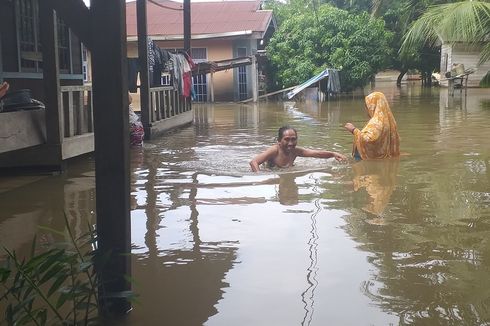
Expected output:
(165, 102)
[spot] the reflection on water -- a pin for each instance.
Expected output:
(368, 243)
(378, 179)
(308, 296)
(29, 202)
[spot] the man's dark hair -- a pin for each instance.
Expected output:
(280, 132)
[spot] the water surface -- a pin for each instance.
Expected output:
(322, 243)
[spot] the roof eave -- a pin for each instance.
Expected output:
(179, 37)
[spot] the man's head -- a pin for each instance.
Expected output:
(287, 138)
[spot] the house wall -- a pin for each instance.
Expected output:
(7, 36)
(468, 56)
(251, 46)
(225, 82)
(9, 57)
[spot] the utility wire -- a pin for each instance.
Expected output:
(164, 7)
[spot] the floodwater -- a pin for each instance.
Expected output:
(322, 243)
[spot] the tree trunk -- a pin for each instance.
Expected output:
(400, 77)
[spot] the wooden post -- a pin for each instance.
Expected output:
(187, 34)
(211, 88)
(52, 90)
(187, 26)
(318, 92)
(255, 79)
(110, 98)
(143, 61)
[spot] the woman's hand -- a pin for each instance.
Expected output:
(350, 127)
(340, 158)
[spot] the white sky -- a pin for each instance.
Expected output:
(87, 2)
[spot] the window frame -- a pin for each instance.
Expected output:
(32, 20)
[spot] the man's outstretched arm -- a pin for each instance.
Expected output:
(320, 154)
(262, 157)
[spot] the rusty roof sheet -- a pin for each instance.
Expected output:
(166, 17)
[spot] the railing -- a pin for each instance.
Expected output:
(77, 112)
(165, 102)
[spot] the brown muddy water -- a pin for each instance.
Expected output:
(322, 243)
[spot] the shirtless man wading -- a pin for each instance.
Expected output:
(285, 151)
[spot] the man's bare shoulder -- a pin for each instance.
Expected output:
(299, 151)
(273, 149)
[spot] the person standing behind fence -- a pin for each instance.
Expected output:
(379, 138)
(4, 87)
(137, 132)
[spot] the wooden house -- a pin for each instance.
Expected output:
(28, 140)
(466, 54)
(220, 30)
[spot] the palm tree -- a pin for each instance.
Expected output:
(464, 21)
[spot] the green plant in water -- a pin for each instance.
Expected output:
(58, 286)
(485, 82)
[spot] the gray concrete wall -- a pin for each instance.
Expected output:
(22, 129)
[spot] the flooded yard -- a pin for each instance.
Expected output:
(321, 243)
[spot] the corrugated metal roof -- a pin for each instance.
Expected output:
(206, 18)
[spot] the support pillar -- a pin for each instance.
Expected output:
(255, 79)
(51, 80)
(110, 101)
(187, 26)
(143, 61)
(211, 87)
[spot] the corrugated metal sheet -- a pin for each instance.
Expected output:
(206, 17)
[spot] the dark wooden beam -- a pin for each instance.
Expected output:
(75, 15)
(143, 61)
(110, 99)
(187, 26)
(51, 73)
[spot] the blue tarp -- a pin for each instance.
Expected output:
(333, 85)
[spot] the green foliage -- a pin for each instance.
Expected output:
(306, 44)
(58, 286)
(485, 82)
(463, 21)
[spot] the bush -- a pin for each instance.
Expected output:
(305, 44)
(58, 286)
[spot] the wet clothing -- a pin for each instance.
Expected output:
(379, 138)
(137, 133)
(356, 155)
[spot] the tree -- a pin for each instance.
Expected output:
(306, 44)
(398, 15)
(464, 21)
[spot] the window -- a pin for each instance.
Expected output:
(199, 54)
(242, 76)
(85, 64)
(166, 79)
(63, 46)
(30, 40)
(200, 81)
(28, 13)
